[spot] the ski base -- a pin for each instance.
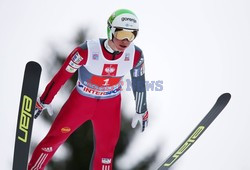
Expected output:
(25, 115)
(220, 104)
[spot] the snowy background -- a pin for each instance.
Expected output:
(199, 49)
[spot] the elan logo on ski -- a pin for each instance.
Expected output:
(26, 115)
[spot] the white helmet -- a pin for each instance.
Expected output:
(122, 19)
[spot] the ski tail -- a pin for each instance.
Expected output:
(220, 104)
(25, 115)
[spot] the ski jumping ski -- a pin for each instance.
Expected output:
(25, 115)
(220, 104)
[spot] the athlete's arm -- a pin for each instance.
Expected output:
(138, 82)
(139, 90)
(76, 58)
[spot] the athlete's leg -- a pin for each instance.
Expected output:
(106, 123)
(74, 113)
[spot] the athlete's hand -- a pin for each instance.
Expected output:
(41, 106)
(142, 118)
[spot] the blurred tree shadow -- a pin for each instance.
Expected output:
(81, 141)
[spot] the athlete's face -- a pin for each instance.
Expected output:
(121, 45)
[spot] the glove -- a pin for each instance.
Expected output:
(41, 106)
(142, 118)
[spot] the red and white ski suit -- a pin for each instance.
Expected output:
(96, 97)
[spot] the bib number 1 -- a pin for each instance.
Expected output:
(106, 82)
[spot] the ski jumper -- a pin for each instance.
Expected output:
(96, 97)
